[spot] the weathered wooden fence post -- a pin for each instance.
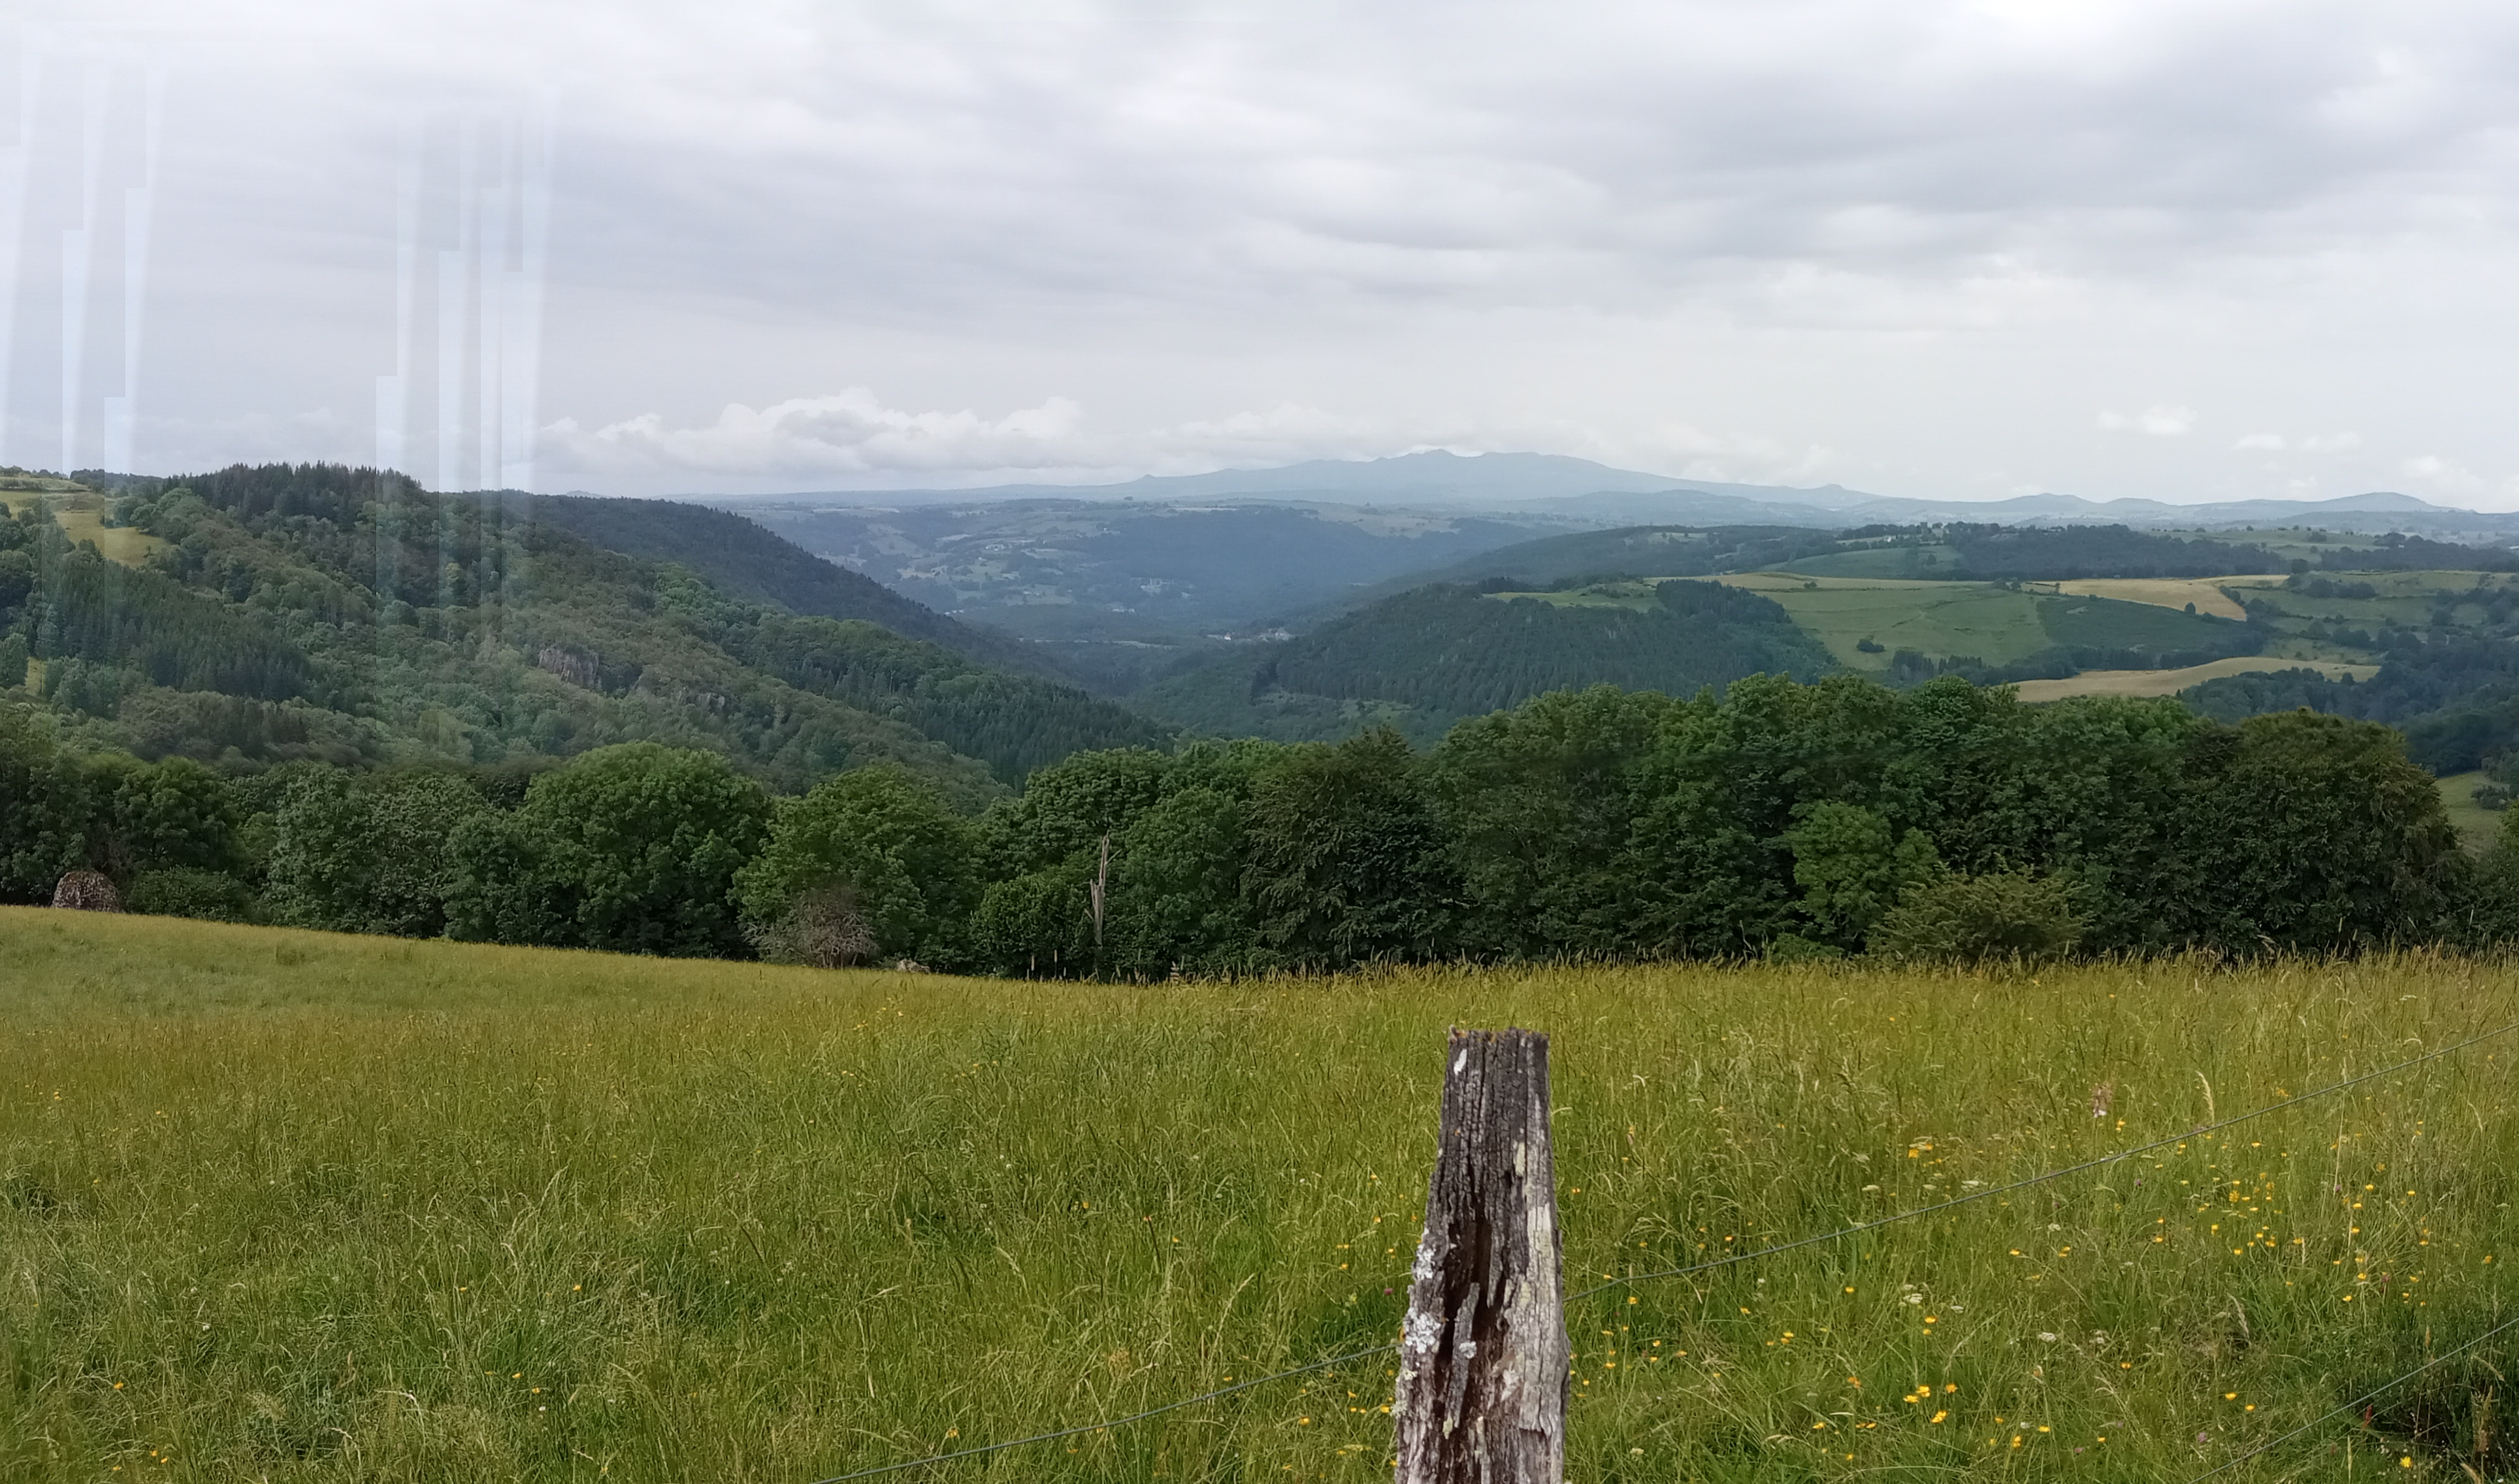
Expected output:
(1483, 1358)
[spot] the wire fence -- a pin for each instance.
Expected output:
(1840, 1234)
(2363, 1400)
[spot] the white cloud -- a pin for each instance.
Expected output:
(1693, 453)
(852, 438)
(2315, 443)
(2157, 422)
(2444, 475)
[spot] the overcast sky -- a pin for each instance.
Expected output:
(2186, 251)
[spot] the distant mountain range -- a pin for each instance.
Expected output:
(1577, 491)
(1435, 478)
(1838, 508)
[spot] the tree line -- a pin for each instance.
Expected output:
(1778, 820)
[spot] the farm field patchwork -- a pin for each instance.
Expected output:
(289, 1206)
(1995, 624)
(2205, 594)
(2168, 683)
(2350, 615)
(2338, 622)
(1875, 562)
(1990, 621)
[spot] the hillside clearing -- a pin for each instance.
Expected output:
(1993, 623)
(2477, 827)
(81, 517)
(2168, 683)
(294, 1206)
(2205, 594)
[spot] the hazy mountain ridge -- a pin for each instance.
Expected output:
(1564, 487)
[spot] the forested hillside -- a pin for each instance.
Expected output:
(1427, 657)
(260, 615)
(744, 559)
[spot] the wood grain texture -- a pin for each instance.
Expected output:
(1483, 1358)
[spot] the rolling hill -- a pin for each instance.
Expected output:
(257, 615)
(1425, 659)
(744, 560)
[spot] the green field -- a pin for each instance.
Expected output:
(81, 518)
(286, 1206)
(2329, 625)
(1637, 594)
(2477, 826)
(1986, 621)
(1876, 561)
(1846, 598)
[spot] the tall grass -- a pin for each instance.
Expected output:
(288, 1206)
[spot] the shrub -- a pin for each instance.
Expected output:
(190, 891)
(1793, 949)
(821, 929)
(889, 841)
(1971, 919)
(86, 891)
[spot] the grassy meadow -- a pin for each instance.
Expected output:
(81, 517)
(279, 1206)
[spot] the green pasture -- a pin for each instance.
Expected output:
(278, 1205)
(2311, 544)
(2402, 600)
(81, 517)
(1939, 619)
(1993, 623)
(1636, 595)
(1876, 561)
(1846, 597)
(2477, 827)
(2114, 623)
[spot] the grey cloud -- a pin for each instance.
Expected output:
(1188, 192)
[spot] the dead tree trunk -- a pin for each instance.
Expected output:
(1484, 1357)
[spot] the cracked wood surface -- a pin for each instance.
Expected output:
(1483, 1358)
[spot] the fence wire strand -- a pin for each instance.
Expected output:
(1856, 1230)
(2362, 1400)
